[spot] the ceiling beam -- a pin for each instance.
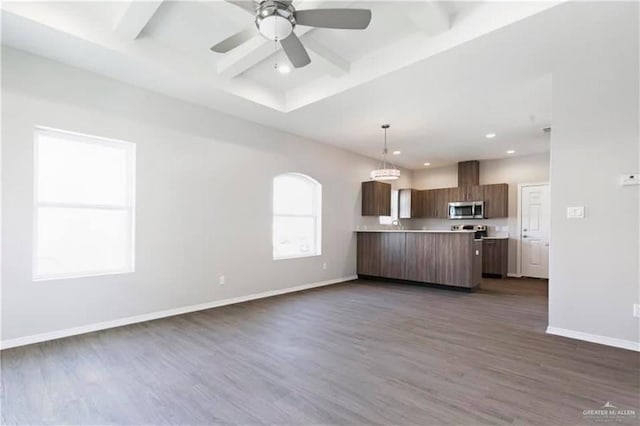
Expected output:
(431, 17)
(334, 64)
(136, 16)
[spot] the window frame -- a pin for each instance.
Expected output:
(316, 215)
(129, 205)
(395, 209)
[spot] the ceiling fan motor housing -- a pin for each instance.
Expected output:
(275, 20)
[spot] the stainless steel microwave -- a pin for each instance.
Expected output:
(466, 210)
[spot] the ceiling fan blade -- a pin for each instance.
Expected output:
(295, 51)
(346, 19)
(247, 5)
(234, 41)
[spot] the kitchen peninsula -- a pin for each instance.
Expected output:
(435, 257)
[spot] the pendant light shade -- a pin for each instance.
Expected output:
(385, 174)
(386, 170)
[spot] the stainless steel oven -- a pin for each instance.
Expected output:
(480, 230)
(466, 210)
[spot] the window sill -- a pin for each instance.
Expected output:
(297, 257)
(75, 276)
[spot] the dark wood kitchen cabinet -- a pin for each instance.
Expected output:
(442, 197)
(381, 254)
(411, 204)
(392, 258)
(420, 263)
(420, 204)
(434, 203)
(447, 258)
(472, 193)
(428, 200)
(376, 198)
(495, 256)
(496, 200)
(468, 173)
(454, 195)
(369, 254)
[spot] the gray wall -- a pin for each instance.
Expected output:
(203, 200)
(594, 262)
(516, 170)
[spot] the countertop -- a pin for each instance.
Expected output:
(433, 231)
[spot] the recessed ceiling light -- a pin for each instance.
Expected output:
(284, 69)
(396, 152)
(427, 164)
(490, 135)
(511, 151)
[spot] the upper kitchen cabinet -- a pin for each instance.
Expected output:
(376, 198)
(429, 204)
(411, 203)
(496, 200)
(455, 194)
(441, 202)
(435, 202)
(471, 193)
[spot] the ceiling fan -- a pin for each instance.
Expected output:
(276, 19)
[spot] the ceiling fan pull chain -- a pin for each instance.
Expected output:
(275, 49)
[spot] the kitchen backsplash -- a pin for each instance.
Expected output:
(495, 227)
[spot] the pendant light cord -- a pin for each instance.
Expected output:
(384, 156)
(382, 173)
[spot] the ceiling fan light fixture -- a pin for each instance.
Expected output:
(275, 20)
(284, 69)
(387, 170)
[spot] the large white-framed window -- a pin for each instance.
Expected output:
(297, 216)
(84, 205)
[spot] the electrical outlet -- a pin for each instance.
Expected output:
(221, 279)
(324, 266)
(636, 310)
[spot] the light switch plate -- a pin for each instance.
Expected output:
(630, 179)
(575, 212)
(636, 310)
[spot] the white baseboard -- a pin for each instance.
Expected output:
(58, 334)
(594, 338)
(514, 275)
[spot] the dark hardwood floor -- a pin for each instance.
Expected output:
(354, 353)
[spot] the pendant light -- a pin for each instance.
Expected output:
(385, 171)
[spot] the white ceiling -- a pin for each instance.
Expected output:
(417, 66)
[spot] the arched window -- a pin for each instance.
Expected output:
(297, 211)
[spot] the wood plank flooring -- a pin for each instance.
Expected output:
(355, 353)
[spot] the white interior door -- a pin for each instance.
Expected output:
(534, 232)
